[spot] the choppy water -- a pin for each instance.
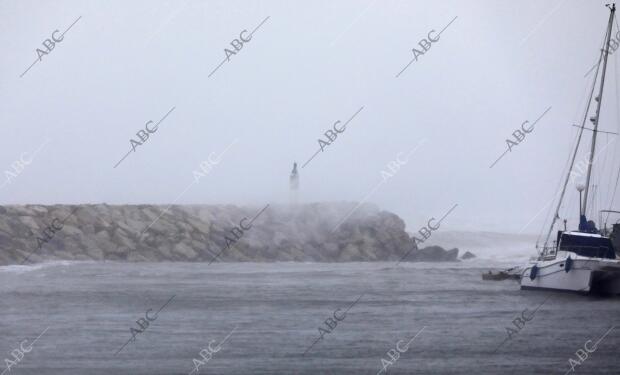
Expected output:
(88, 309)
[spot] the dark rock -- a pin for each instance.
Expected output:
(433, 254)
(468, 255)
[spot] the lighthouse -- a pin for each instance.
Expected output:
(294, 185)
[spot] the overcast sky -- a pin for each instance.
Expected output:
(310, 64)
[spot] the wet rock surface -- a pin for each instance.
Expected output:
(204, 233)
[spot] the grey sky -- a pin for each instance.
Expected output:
(310, 64)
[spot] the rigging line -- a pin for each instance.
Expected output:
(598, 202)
(599, 101)
(591, 203)
(555, 192)
(574, 156)
(610, 179)
(611, 202)
(605, 199)
(566, 168)
(616, 71)
(571, 203)
(601, 179)
(557, 189)
(597, 179)
(599, 174)
(600, 59)
(613, 196)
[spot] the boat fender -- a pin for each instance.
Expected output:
(534, 272)
(569, 264)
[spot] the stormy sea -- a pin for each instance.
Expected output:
(102, 317)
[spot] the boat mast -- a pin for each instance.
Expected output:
(598, 107)
(604, 54)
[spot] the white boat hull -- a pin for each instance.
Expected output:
(586, 275)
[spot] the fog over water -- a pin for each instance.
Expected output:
(309, 65)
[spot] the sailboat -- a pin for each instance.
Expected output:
(582, 260)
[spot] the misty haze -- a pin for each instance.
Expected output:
(309, 187)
